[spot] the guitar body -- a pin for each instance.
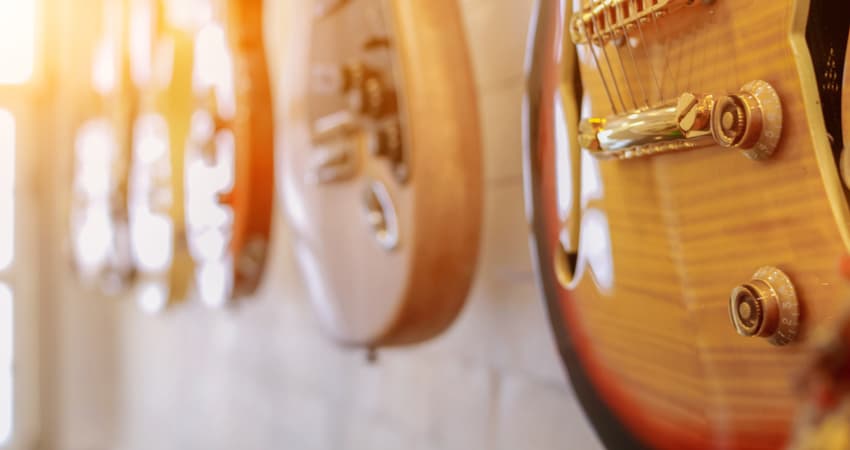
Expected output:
(637, 257)
(385, 204)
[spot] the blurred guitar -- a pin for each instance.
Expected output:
(683, 164)
(230, 159)
(385, 204)
(156, 193)
(102, 155)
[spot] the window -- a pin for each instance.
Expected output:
(7, 183)
(6, 356)
(17, 41)
(7, 254)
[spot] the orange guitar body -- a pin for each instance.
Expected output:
(637, 257)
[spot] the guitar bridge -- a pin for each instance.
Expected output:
(750, 120)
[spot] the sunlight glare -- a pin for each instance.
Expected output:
(152, 240)
(7, 187)
(7, 229)
(94, 237)
(17, 41)
(214, 68)
(104, 76)
(215, 282)
(7, 150)
(152, 296)
(141, 37)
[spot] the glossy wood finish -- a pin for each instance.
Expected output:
(365, 294)
(645, 330)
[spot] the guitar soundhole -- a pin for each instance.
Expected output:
(354, 101)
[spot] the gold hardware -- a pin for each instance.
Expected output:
(604, 20)
(766, 307)
(750, 120)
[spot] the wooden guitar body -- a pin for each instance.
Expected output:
(637, 257)
(385, 203)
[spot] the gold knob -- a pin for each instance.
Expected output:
(766, 307)
(730, 119)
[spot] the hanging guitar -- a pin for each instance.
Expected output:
(683, 164)
(157, 191)
(385, 204)
(102, 151)
(230, 166)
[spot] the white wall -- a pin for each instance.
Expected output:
(261, 376)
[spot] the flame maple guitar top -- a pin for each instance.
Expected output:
(665, 238)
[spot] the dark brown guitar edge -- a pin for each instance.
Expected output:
(542, 31)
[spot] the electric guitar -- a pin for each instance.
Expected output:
(688, 210)
(230, 166)
(102, 153)
(156, 193)
(385, 198)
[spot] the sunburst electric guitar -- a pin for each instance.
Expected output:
(385, 202)
(688, 209)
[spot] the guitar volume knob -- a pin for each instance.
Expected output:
(728, 116)
(766, 307)
(750, 120)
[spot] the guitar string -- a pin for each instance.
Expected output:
(617, 48)
(665, 68)
(608, 62)
(598, 68)
(646, 55)
(634, 62)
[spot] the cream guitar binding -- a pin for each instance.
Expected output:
(386, 201)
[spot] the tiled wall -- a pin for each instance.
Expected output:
(262, 376)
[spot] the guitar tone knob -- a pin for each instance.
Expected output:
(750, 120)
(729, 116)
(766, 307)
